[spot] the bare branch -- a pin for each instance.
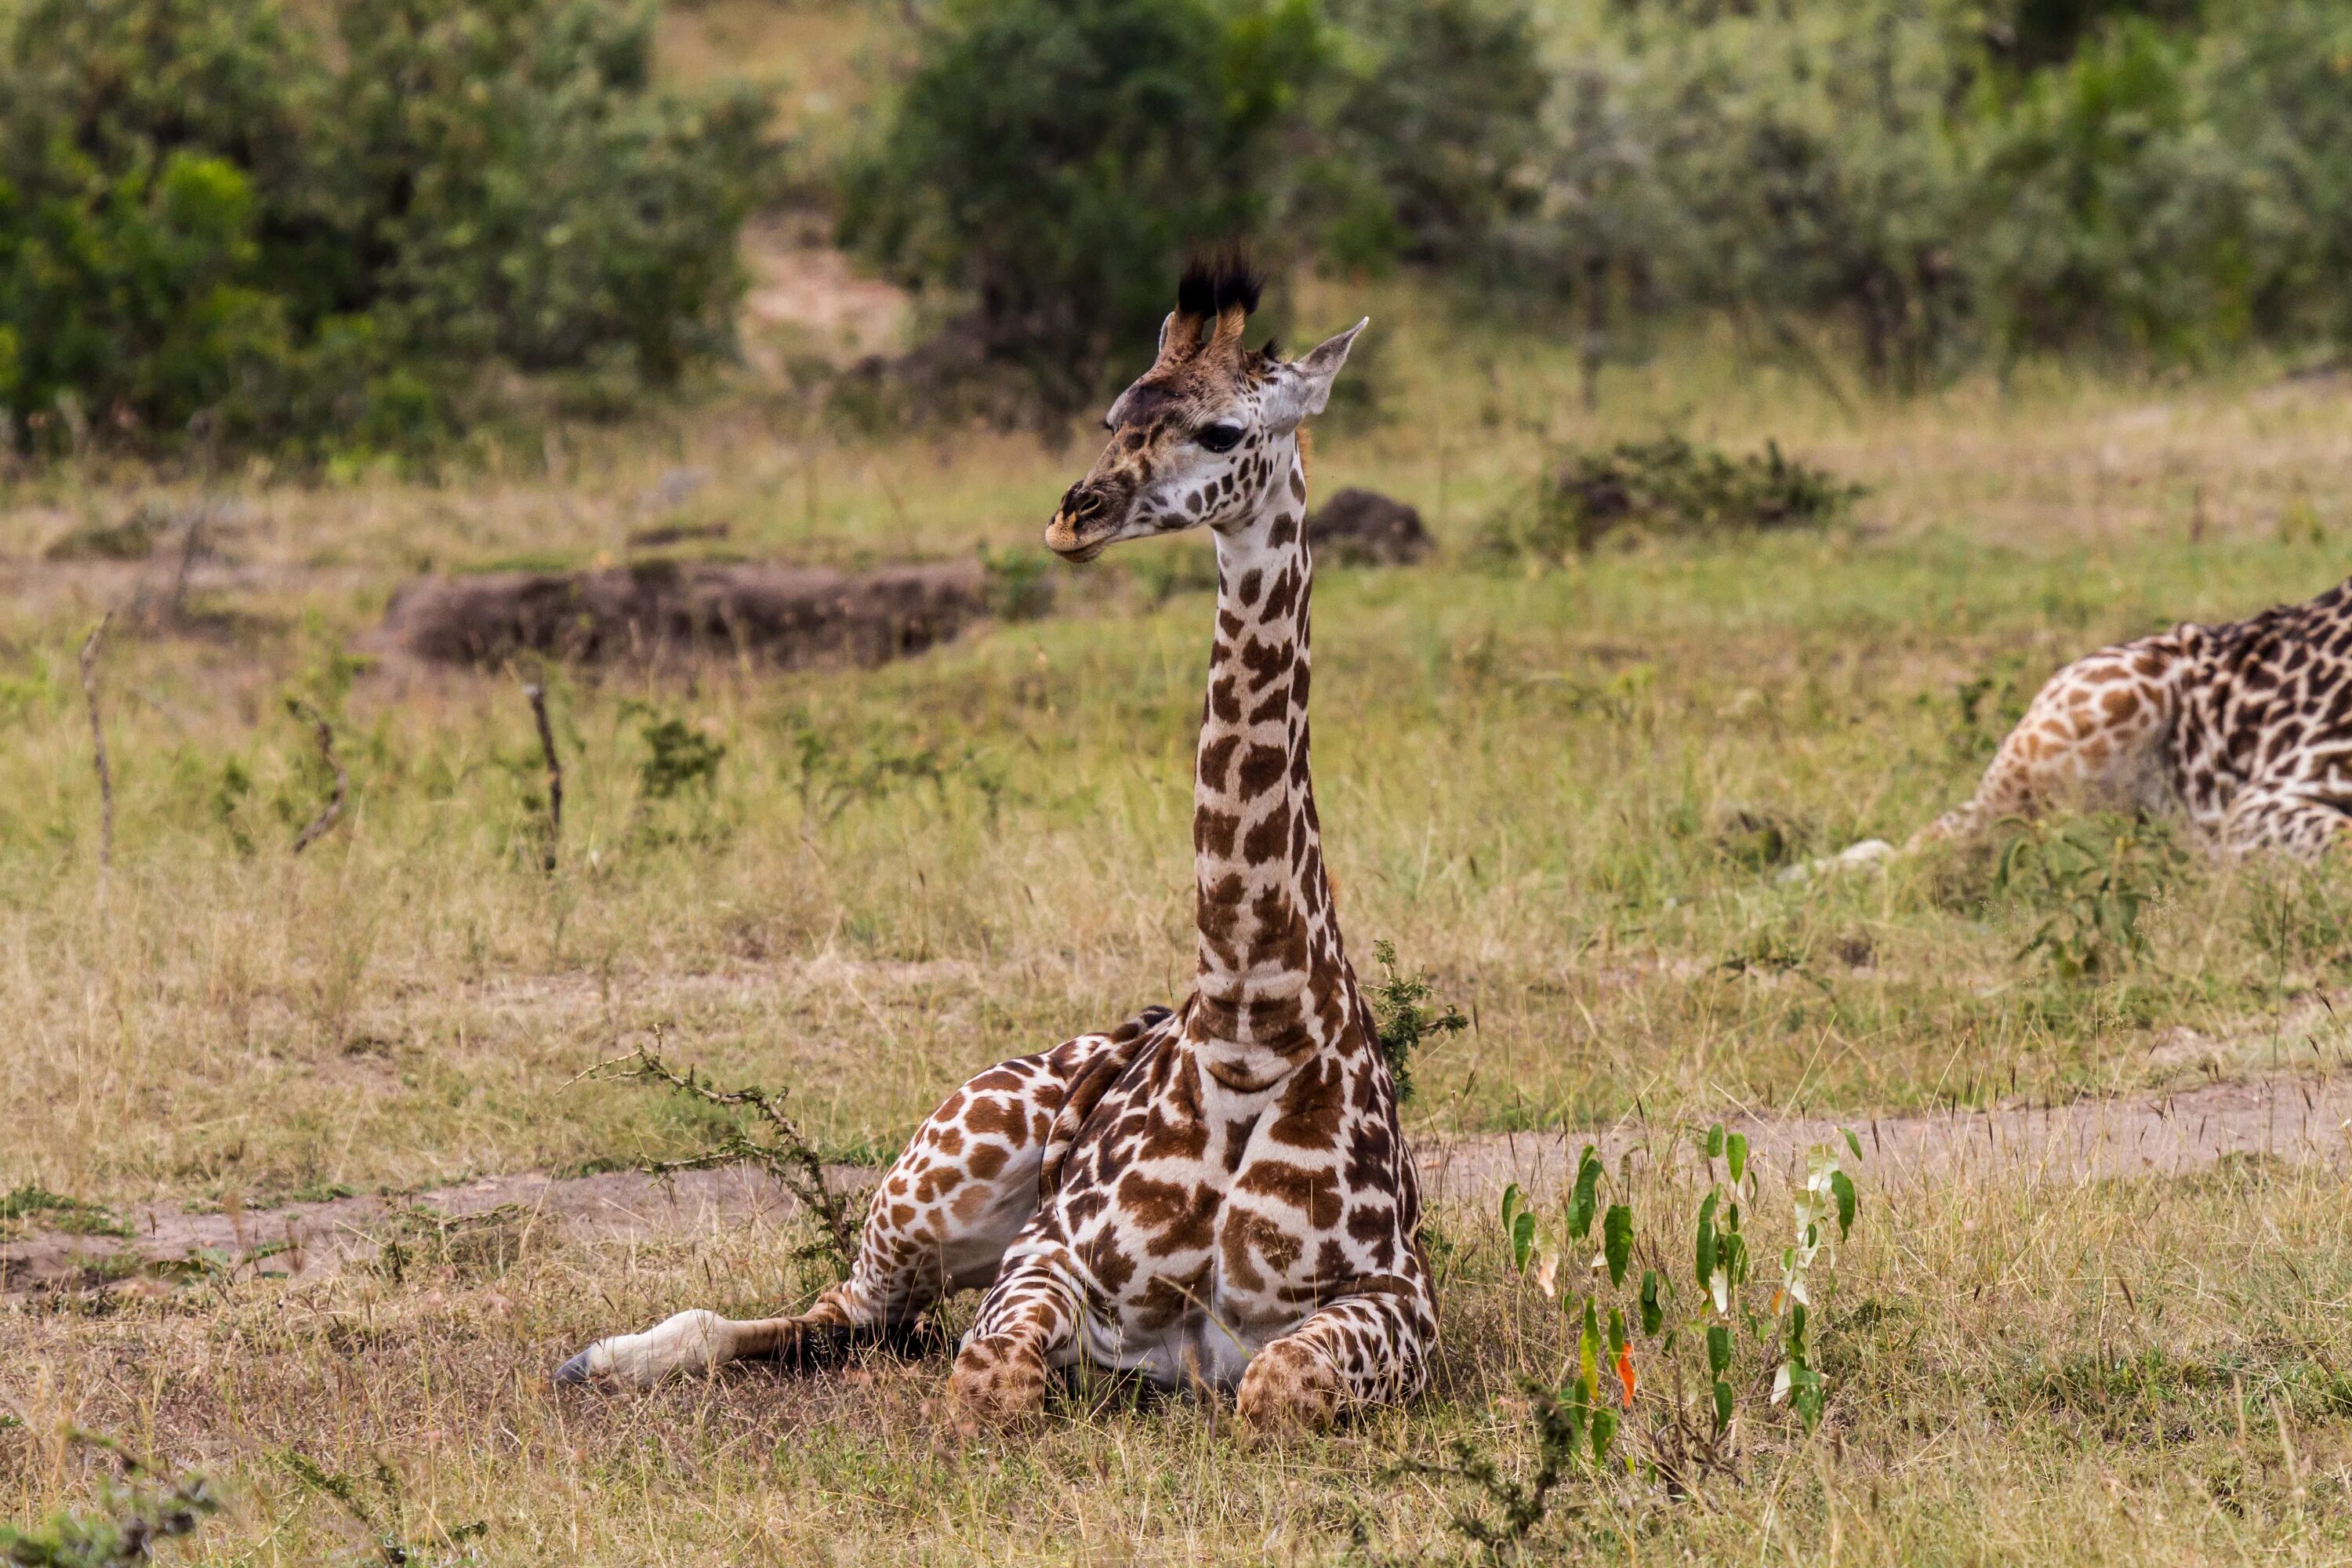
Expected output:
(788, 1156)
(325, 734)
(538, 695)
(97, 743)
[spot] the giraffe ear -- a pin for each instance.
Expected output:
(1304, 388)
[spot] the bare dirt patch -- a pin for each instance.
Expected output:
(2299, 1119)
(660, 611)
(307, 1239)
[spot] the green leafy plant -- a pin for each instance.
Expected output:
(136, 1512)
(1659, 1372)
(679, 757)
(2090, 879)
(835, 772)
(1403, 1017)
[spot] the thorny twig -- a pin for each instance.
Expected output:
(538, 696)
(789, 1158)
(335, 808)
(97, 743)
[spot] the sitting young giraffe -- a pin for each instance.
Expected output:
(1215, 1196)
(2244, 728)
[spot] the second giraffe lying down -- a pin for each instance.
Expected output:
(2245, 729)
(1217, 1196)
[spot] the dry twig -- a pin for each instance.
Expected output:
(538, 695)
(97, 743)
(789, 1156)
(335, 808)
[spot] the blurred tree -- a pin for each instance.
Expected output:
(207, 208)
(1430, 134)
(1053, 159)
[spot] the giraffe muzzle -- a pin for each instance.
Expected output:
(1081, 527)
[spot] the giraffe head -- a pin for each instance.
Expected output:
(1193, 439)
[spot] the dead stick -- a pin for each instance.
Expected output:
(97, 743)
(326, 736)
(538, 695)
(190, 542)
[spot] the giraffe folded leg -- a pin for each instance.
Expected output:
(1002, 1372)
(939, 1223)
(2283, 820)
(1369, 1349)
(2091, 736)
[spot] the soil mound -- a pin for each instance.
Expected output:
(1364, 528)
(662, 611)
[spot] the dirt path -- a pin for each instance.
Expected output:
(2298, 1119)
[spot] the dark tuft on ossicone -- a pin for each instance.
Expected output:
(1214, 284)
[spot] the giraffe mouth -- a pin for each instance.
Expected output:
(1065, 539)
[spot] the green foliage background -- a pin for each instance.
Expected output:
(211, 212)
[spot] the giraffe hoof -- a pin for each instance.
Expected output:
(575, 1372)
(994, 1388)
(1289, 1387)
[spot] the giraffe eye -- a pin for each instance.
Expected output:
(1219, 437)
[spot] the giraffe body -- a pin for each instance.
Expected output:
(1218, 1195)
(2243, 729)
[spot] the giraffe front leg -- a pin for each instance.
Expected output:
(938, 1222)
(1357, 1351)
(1002, 1372)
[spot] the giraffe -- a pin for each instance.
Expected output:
(2245, 729)
(1215, 1195)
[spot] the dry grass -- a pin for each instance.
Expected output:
(1546, 789)
(2136, 1372)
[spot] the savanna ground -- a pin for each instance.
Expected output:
(1565, 793)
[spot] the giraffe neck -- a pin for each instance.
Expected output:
(1271, 984)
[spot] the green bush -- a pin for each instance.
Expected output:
(1665, 486)
(1047, 164)
(1052, 161)
(211, 210)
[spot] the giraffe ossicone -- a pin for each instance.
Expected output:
(1216, 1195)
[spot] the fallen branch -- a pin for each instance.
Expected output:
(538, 695)
(97, 743)
(325, 734)
(789, 1157)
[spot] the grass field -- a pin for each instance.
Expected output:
(1565, 794)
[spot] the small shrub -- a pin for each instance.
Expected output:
(1403, 1019)
(2090, 879)
(1664, 488)
(677, 757)
(135, 1513)
(1642, 1344)
(833, 774)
